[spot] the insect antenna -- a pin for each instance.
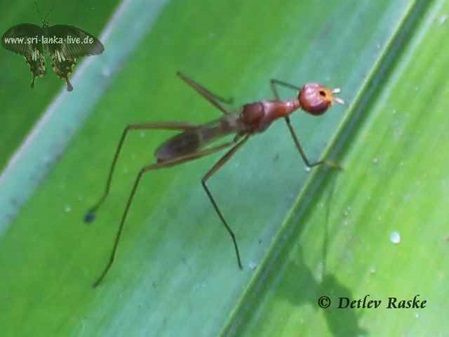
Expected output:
(43, 19)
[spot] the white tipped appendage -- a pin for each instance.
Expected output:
(337, 99)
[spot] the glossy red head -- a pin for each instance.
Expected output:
(316, 99)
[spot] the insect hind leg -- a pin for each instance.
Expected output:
(214, 99)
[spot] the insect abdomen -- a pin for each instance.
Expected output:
(193, 140)
(179, 145)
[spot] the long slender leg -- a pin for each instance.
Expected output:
(206, 177)
(212, 98)
(144, 170)
(90, 215)
(303, 153)
(274, 85)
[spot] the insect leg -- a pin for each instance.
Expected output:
(144, 170)
(212, 98)
(303, 153)
(90, 215)
(206, 177)
(274, 85)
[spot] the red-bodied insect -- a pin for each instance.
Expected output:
(193, 141)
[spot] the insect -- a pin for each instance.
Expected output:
(63, 43)
(196, 141)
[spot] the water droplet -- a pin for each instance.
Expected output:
(395, 237)
(252, 265)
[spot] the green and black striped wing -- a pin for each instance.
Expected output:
(25, 39)
(66, 44)
(63, 43)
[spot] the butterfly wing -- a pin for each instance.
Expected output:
(25, 39)
(67, 43)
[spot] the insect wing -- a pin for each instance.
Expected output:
(66, 44)
(75, 41)
(191, 141)
(25, 39)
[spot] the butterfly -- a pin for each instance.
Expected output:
(63, 43)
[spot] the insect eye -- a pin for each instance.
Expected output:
(317, 99)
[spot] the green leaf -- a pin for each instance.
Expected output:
(377, 230)
(302, 234)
